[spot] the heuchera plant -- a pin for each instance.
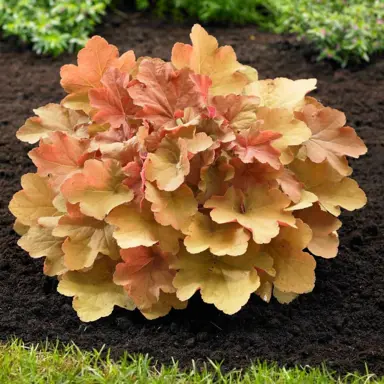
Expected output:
(158, 179)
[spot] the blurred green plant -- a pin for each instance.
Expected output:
(218, 11)
(341, 30)
(52, 26)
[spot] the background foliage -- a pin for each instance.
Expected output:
(52, 26)
(341, 30)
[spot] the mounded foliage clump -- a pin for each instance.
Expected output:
(158, 179)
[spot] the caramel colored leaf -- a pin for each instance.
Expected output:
(333, 191)
(34, 200)
(39, 242)
(166, 302)
(169, 165)
(98, 188)
(325, 241)
(93, 60)
(293, 131)
(281, 92)
(255, 145)
(136, 228)
(50, 118)
(238, 111)
(60, 156)
(172, 208)
(199, 143)
(77, 102)
(215, 179)
(95, 294)
(331, 139)
(284, 297)
(20, 228)
(206, 58)
(162, 92)
(306, 200)
(259, 209)
(112, 101)
(144, 273)
(85, 237)
(294, 268)
(225, 281)
(221, 239)
(250, 174)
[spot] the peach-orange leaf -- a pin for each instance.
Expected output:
(221, 239)
(144, 273)
(172, 208)
(85, 237)
(259, 209)
(162, 92)
(225, 281)
(98, 188)
(51, 118)
(331, 139)
(59, 156)
(34, 201)
(112, 101)
(325, 241)
(295, 269)
(93, 60)
(206, 58)
(169, 165)
(238, 111)
(252, 144)
(134, 227)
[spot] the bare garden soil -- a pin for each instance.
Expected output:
(341, 322)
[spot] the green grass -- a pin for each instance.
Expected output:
(49, 363)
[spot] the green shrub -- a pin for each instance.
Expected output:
(52, 26)
(222, 11)
(341, 30)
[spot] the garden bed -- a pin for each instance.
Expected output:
(340, 323)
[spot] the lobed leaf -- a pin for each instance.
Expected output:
(294, 268)
(225, 281)
(172, 208)
(259, 209)
(221, 239)
(281, 92)
(93, 60)
(169, 165)
(98, 188)
(34, 201)
(144, 273)
(205, 57)
(325, 241)
(135, 227)
(85, 237)
(94, 292)
(51, 118)
(331, 139)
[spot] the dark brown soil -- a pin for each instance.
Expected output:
(340, 323)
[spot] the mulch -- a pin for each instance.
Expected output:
(339, 323)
